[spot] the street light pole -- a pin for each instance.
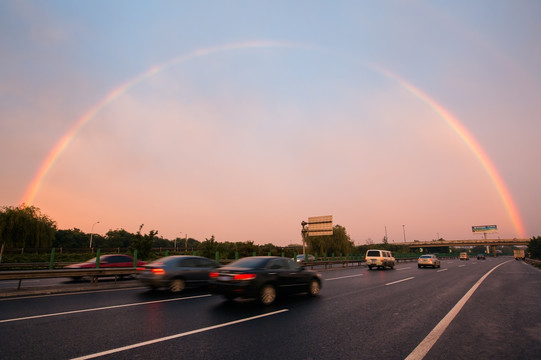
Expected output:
(91, 232)
(404, 228)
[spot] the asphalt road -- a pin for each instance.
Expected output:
(469, 309)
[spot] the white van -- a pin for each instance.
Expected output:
(379, 259)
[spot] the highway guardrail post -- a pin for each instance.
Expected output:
(295, 256)
(217, 256)
(324, 256)
(236, 255)
(315, 256)
(98, 258)
(135, 258)
(51, 262)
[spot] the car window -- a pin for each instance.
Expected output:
(291, 265)
(190, 262)
(276, 264)
(115, 259)
(206, 263)
(373, 253)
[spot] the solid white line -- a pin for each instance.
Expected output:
(144, 343)
(101, 308)
(399, 281)
(344, 277)
(424, 347)
(442, 270)
(403, 268)
(71, 293)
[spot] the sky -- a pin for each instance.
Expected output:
(241, 119)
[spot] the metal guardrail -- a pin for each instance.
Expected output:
(94, 274)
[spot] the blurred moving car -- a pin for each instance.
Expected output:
(300, 258)
(428, 260)
(107, 261)
(464, 256)
(480, 256)
(177, 272)
(264, 278)
(379, 259)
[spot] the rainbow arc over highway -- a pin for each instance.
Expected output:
(472, 144)
(457, 127)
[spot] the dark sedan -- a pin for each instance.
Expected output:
(264, 278)
(177, 272)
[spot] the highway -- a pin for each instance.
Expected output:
(465, 309)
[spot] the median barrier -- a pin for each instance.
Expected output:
(94, 274)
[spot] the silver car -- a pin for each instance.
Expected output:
(428, 260)
(177, 272)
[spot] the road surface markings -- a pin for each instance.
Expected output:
(461, 265)
(72, 293)
(424, 347)
(442, 270)
(343, 277)
(176, 336)
(101, 308)
(399, 281)
(403, 268)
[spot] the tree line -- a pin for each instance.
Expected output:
(27, 227)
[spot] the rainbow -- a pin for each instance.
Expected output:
(62, 144)
(472, 144)
(463, 133)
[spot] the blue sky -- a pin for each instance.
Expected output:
(247, 142)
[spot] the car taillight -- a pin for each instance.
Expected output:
(158, 271)
(213, 275)
(244, 277)
(140, 268)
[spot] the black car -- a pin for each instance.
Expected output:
(177, 272)
(264, 277)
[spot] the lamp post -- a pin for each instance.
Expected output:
(404, 229)
(91, 231)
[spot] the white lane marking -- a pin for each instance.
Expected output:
(403, 268)
(71, 293)
(166, 338)
(442, 270)
(101, 308)
(424, 347)
(399, 281)
(343, 277)
(461, 265)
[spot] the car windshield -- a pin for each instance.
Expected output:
(93, 260)
(373, 253)
(249, 263)
(426, 256)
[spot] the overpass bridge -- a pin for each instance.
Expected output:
(473, 242)
(489, 243)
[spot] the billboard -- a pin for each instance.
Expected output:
(484, 229)
(320, 225)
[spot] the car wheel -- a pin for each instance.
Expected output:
(313, 287)
(177, 285)
(267, 294)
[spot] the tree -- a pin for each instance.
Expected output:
(26, 226)
(71, 239)
(209, 248)
(119, 238)
(534, 247)
(338, 243)
(143, 243)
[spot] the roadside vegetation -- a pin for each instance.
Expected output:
(28, 236)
